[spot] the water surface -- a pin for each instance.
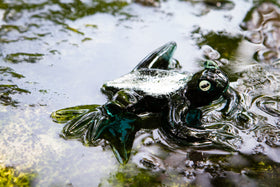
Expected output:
(57, 54)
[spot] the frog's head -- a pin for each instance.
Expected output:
(206, 85)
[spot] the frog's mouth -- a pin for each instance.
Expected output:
(226, 88)
(222, 82)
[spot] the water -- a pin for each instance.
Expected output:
(57, 54)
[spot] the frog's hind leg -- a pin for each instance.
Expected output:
(66, 114)
(77, 119)
(161, 58)
(77, 127)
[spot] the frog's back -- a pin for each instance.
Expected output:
(153, 82)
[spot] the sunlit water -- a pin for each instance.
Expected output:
(56, 54)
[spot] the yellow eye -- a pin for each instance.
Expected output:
(204, 85)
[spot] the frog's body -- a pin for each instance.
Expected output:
(154, 94)
(156, 75)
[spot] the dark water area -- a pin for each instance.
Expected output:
(57, 54)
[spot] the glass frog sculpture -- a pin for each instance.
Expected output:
(155, 94)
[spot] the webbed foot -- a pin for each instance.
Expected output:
(90, 123)
(118, 129)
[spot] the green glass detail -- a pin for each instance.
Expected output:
(120, 131)
(193, 117)
(209, 64)
(66, 114)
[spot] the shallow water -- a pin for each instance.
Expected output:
(56, 54)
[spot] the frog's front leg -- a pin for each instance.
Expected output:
(119, 123)
(180, 114)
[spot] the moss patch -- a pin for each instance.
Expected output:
(11, 177)
(223, 42)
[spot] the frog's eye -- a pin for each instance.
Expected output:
(204, 85)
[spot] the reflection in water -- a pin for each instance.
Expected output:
(262, 24)
(27, 36)
(270, 105)
(197, 167)
(205, 6)
(58, 11)
(7, 89)
(154, 3)
(23, 57)
(78, 9)
(224, 44)
(25, 22)
(260, 83)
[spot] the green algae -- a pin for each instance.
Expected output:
(130, 175)
(23, 57)
(68, 11)
(7, 88)
(6, 71)
(9, 176)
(226, 44)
